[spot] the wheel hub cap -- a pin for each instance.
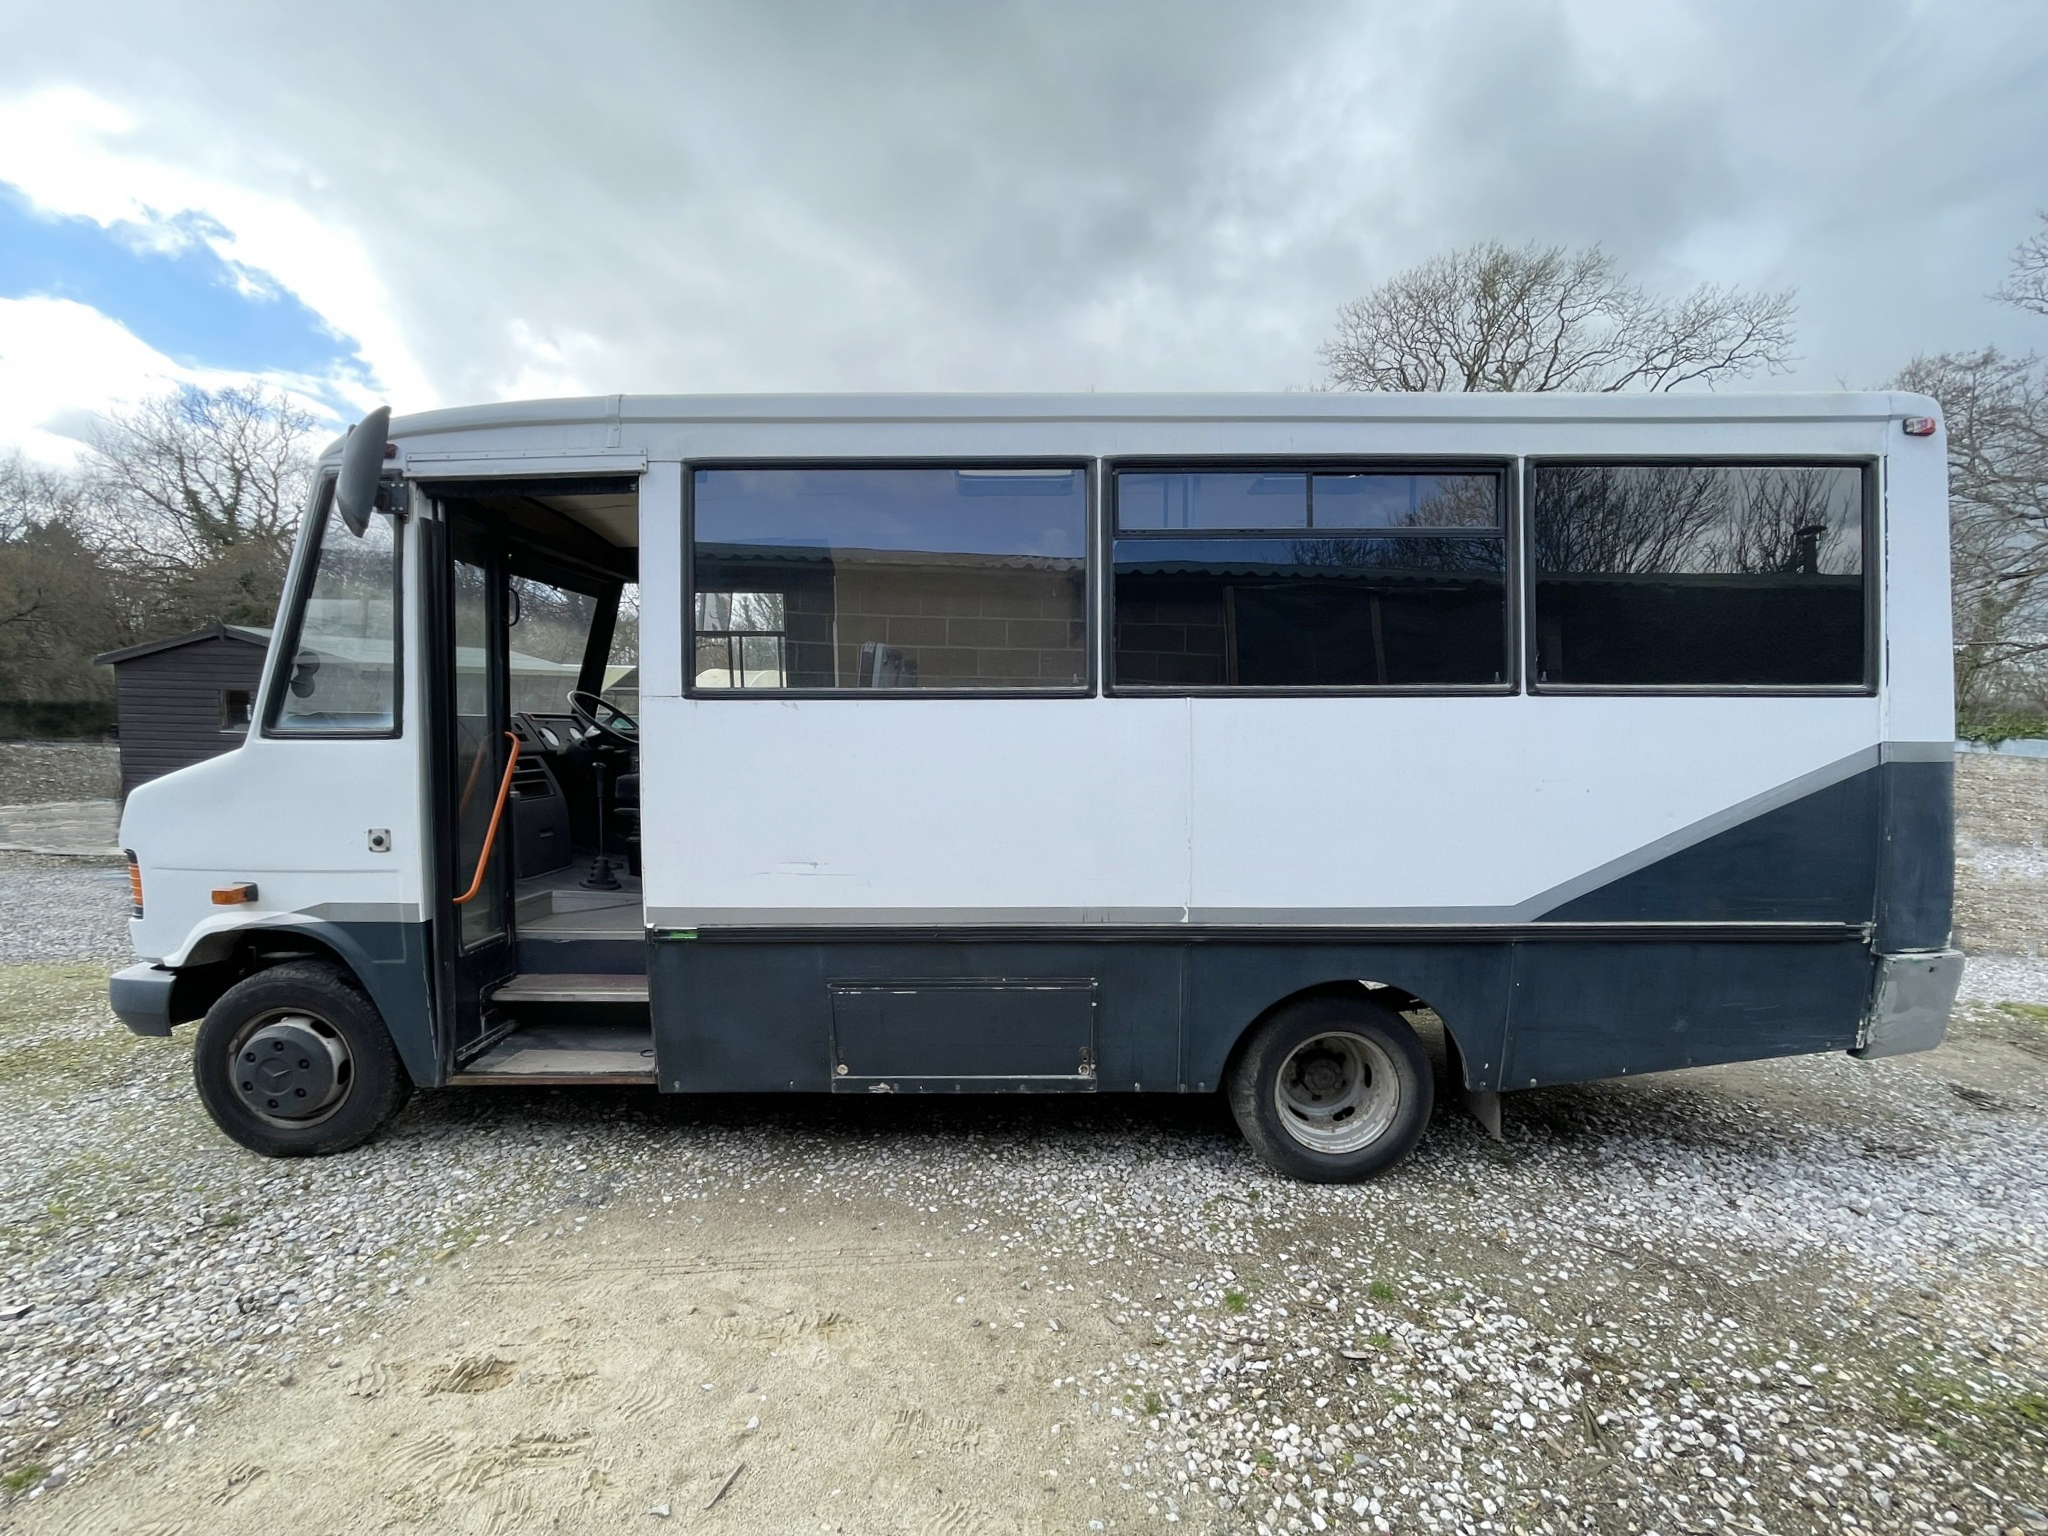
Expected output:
(290, 1070)
(1337, 1092)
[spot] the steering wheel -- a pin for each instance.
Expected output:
(604, 718)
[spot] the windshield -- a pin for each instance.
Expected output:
(622, 667)
(550, 632)
(342, 675)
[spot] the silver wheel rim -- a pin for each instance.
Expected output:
(343, 1065)
(1337, 1092)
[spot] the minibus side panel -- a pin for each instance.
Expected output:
(751, 1015)
(1605, 1009)
(755, 1014)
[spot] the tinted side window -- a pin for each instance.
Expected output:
(1393, 580)
(852, 579)
(1698, 575)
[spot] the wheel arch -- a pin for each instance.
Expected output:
(1472, 1024)
(390, 967)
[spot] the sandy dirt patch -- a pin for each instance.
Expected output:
(789, 1367)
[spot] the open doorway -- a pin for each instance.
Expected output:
(542, 927)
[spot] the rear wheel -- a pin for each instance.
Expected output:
(1332, 1089)
(295, 1062)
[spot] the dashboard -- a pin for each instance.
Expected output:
(550, 733)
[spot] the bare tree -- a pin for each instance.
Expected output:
(56, 605)
(1995, 405)
(1624, 519)
(1547, 318)
(1996, 409)
(2026, 285)
(195, 497)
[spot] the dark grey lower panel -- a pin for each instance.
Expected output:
(394, 962)
(1583, 1011)
(989, 1033)
(734, 1014)
(745, 1017)
(1916, 867)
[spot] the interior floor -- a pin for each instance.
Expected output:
(558, 904)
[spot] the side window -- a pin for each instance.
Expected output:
(1275, 579)
(340, 675)
(1698, 575)
(965, 578)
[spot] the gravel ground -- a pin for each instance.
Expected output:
(58, 770)
(1680, 1304)
(1794, 1296)
(57, 909)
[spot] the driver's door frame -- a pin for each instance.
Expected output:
(467, 971)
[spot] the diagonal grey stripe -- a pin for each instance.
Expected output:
(1919, 751)
(1859, 761)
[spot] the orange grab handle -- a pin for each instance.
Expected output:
(483, 859)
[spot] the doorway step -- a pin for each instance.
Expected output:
(570, 987)
(570, 1027)
(590, 1055)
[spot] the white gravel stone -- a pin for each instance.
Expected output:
(1764, 1300)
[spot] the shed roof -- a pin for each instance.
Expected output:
(214, 631)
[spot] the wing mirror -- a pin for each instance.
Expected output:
(362, 466)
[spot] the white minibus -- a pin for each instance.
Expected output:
(1080, 744)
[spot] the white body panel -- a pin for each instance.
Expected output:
(291, 815)
(1100, 809)
(901, 810)
(1462, 810)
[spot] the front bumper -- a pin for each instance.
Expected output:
(141, 998)
(1910, 1004)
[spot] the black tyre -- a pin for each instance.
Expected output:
(295, 1062)
(1332, 1089)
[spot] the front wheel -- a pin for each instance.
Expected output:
(295, 1062)
(1332, 1089)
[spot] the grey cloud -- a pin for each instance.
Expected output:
(742, 195)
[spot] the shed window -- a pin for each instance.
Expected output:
(235, 710)
(961, 578)
(1364, 578)
(1699, 575)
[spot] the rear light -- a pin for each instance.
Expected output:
(1919, 426)
(134, 883)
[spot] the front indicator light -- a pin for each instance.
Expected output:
(233, 895)
(134, 883)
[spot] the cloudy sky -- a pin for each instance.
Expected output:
(442, 204)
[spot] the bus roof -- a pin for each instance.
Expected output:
(599, 421)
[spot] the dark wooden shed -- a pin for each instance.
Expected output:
(185, 699)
